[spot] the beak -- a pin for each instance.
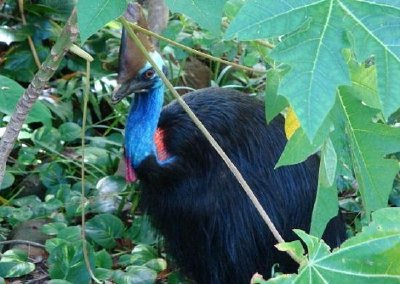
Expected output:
(128, 88)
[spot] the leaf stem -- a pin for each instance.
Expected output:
(194, 51)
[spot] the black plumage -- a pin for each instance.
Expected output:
(210, 225)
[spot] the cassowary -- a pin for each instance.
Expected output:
(210, 226)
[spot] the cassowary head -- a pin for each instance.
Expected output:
(135, 74)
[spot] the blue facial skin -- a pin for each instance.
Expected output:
(143, 118)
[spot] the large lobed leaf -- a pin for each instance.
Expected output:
(369, 144)
(94, 14)
(200, 12)
(369, 257)
(316, 34)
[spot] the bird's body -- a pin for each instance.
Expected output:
(210, 226)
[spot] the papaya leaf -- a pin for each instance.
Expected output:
(94, 14)
(369, 257)
(324, 28)
(326, 205)
(200, 12)
(314, 26)
(274, 103)
(369, 143)
(374, 29)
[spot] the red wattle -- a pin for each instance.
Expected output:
(162, 153)
(130, 175)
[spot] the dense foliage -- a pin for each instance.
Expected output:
(331, 64)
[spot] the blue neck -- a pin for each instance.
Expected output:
(142, 123)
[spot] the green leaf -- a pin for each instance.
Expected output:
(8, 180)
(69, 131)
(10, 92)
(13, 34)
(326, 201)
(320, 28)
(369, 143)
(369, 257)
(107, 198)
(14, 263)
(94, 14)
(59, 281)
(103, 259)
(104, 229)
(135, 275)
(53, 229)
(299, 147)
(66, 262)
(200, 12)
(48, 138)
(103, 274)
(142, 231)
(140, 255)
(52, 175)
(157, 264)
(374, 29)
(274, 103)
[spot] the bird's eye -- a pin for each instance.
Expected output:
(149, 74)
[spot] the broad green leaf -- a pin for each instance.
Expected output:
(292, 155)
(107, 198)
(14, 34)
(94, 14)
(14, 263)
(326, 204)
(369, 257)
(140, 255)
(369, 143)
(315, 27)
(8, 180)
(66, 262)
(10, 92)
(373, 28)
(103, 259)
(274, 103)
(316, 34)
(142, 231)
(104, 229)
(207, 13)
(53, 229)
(135, 275)
(47, 138)
(157, 264)
(364, 86)
(103, 274)
(69, 131)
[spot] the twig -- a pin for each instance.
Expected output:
(191, 50)
(22, 242)
(25, 103)
(209, 137)
(31, 45)
(83, 221)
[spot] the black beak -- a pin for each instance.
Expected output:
(129, 88)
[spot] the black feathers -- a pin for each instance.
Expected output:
(211, 228)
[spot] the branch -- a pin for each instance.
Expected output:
(25, 103)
